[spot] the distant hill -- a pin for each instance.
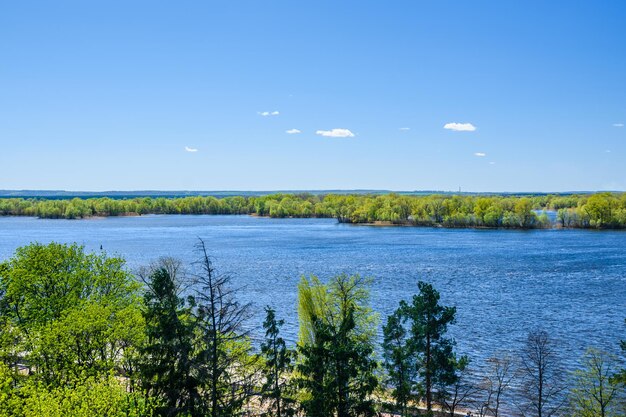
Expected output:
(62, 194)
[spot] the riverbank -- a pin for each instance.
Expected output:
(595, 211)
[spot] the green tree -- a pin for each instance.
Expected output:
(168, 366)
(69, 313)
(337, 366)
(428, 323)
(277, 389)
(399, 361)
(595, 393)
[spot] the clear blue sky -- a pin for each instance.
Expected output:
(103, 95)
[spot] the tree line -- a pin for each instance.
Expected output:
(599, 211)
(82, 336)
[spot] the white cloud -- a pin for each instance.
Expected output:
(608, 151)
(188, 149)
(335, 133)
(460, 127)
(292, 131)
(618, 124)
(480, 154)
(492, 163)
(405, 128)
(269, 113)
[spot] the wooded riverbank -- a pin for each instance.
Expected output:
(597, 211)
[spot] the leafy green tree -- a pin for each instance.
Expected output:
(595, 393)
(103, 396)
(42, 282)
(68, 312)
(277, 390)
(337, 328)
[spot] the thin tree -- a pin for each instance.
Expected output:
(277, 369)
(224, 347)
(429, 323)
(497, 382)
(595, 392)
(399, 362)
(461, 392)
(542, 388)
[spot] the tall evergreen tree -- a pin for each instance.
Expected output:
(167, 366)
(399, 362)
(426, 348)
(277, 390)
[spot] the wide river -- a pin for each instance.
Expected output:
(572, 283)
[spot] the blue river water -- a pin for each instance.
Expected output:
(504, 283)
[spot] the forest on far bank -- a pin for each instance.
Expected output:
(585, 211)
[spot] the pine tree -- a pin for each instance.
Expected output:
(277, 390)
(399, 362)
(167, 365)
(426, 347)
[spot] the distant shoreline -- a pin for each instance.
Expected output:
(589, 211)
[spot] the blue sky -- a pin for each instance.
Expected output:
(117, 95)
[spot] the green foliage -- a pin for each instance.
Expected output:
(168, 356)
(93, 396)
(421, 348)
(595, 393)
(337, 368)
(400, 362)
(277, 391)
(602, 210)
(68, 313)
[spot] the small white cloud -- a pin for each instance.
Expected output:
(188, 149)
(618, 124)
(460, 127)
(608, 151)
(492, 163)
(480, 154)
(335, 133)
(268, 113)
(405, 128)
(292, 131)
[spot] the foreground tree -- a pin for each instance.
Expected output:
(461, 392)
(224, 349)
(336, 347)
(428, 323)
(168, 367)
(67, 313)
(496, 383)
(399, 362)
(595, 392)
(277, 391)
(542, 388)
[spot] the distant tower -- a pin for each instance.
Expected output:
(459, 189)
